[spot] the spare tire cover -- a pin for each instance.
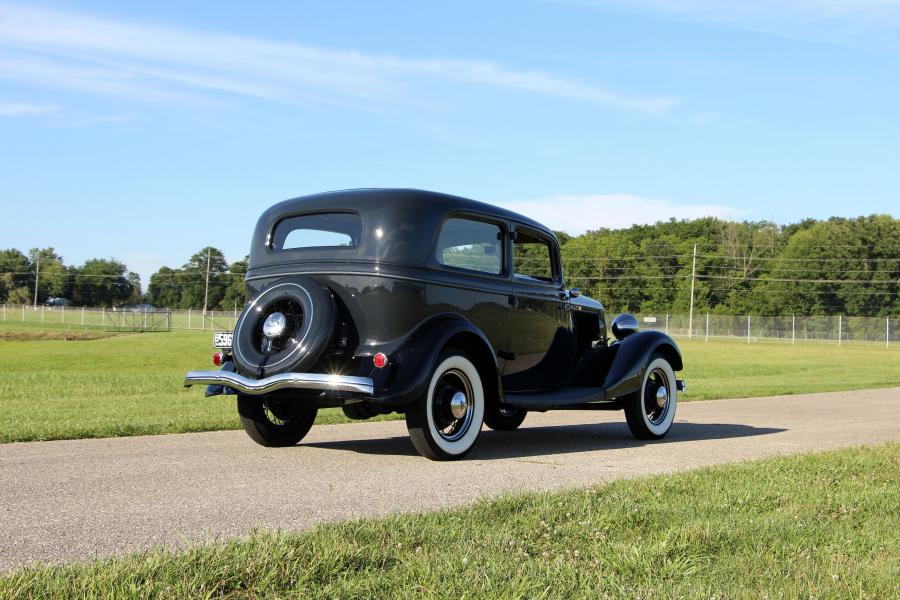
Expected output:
(284, 329)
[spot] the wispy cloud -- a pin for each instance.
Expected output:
(841, 21)
(120, 58)
(25, 109)
(576, 214)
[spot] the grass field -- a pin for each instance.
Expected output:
(130, 384)
(813, 526)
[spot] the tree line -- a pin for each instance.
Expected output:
(98, 282)
(837, 266)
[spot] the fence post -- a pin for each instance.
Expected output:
(748, 329)
(82, 316)
(793, 329)
(189, 318)
(62, 314)
(840, 328)
(667, 323)
(707, 327)
(887, 332)
(23, 313)
(42, 314)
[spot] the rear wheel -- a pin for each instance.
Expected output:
(651, 410)
(274, 422)
(504, 418)
(444, 424)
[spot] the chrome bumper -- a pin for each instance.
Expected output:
(304, 381)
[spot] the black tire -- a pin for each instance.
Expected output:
(647, 418)
(309, 314)
(504, 418)
(436, 431)
(275, 422)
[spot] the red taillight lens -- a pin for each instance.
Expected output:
(379, 360)
(218, 359)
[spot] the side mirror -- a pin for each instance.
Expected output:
(574, 292)
(624, 325)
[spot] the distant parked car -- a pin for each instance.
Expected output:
(448, 310)
(57, 302)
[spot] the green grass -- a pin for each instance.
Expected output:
(810, 526)
(130, 384)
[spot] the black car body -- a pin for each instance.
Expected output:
(346, 280)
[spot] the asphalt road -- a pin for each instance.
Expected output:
(75, 500)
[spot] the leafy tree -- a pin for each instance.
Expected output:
(164, 289)
(102, 282)
(14, 276)
(235, 289)
(52, 275)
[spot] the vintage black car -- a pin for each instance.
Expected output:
(448, 310)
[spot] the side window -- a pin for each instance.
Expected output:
(317, 230)
(472, 245)
(532, 257)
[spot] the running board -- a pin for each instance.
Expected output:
(567, 397)
(562, 397)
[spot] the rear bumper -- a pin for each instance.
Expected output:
(303, 381)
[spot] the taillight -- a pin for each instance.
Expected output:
(379, 360)
(218, 358)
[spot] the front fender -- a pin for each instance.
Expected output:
(630, 357)
(413, 362)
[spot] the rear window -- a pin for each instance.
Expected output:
(317, 231)
(471, 245)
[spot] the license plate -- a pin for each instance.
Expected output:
(223, 339)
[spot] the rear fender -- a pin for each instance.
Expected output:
(412, 364)
(629, 359)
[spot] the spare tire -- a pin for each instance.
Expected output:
(284, 329)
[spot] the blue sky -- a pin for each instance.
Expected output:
(147, 131)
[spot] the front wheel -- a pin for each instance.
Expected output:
(444, 424)
(650, 411)
(275, 422)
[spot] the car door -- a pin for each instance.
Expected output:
(542, 343)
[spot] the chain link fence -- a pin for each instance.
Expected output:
(835, 329)
(114, 319)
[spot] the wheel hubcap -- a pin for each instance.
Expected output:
(274, 325)
(662, 396)
(459, 405)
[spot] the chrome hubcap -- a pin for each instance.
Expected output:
(274, 325)
(662, 396)
(459, 405)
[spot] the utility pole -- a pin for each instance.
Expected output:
(693, 278)
(37, 277)
(206, 292)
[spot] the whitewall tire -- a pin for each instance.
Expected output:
(650, 411)
(446, 422)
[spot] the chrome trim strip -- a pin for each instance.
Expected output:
(305, 381)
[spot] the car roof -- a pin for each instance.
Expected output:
(409, 220)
